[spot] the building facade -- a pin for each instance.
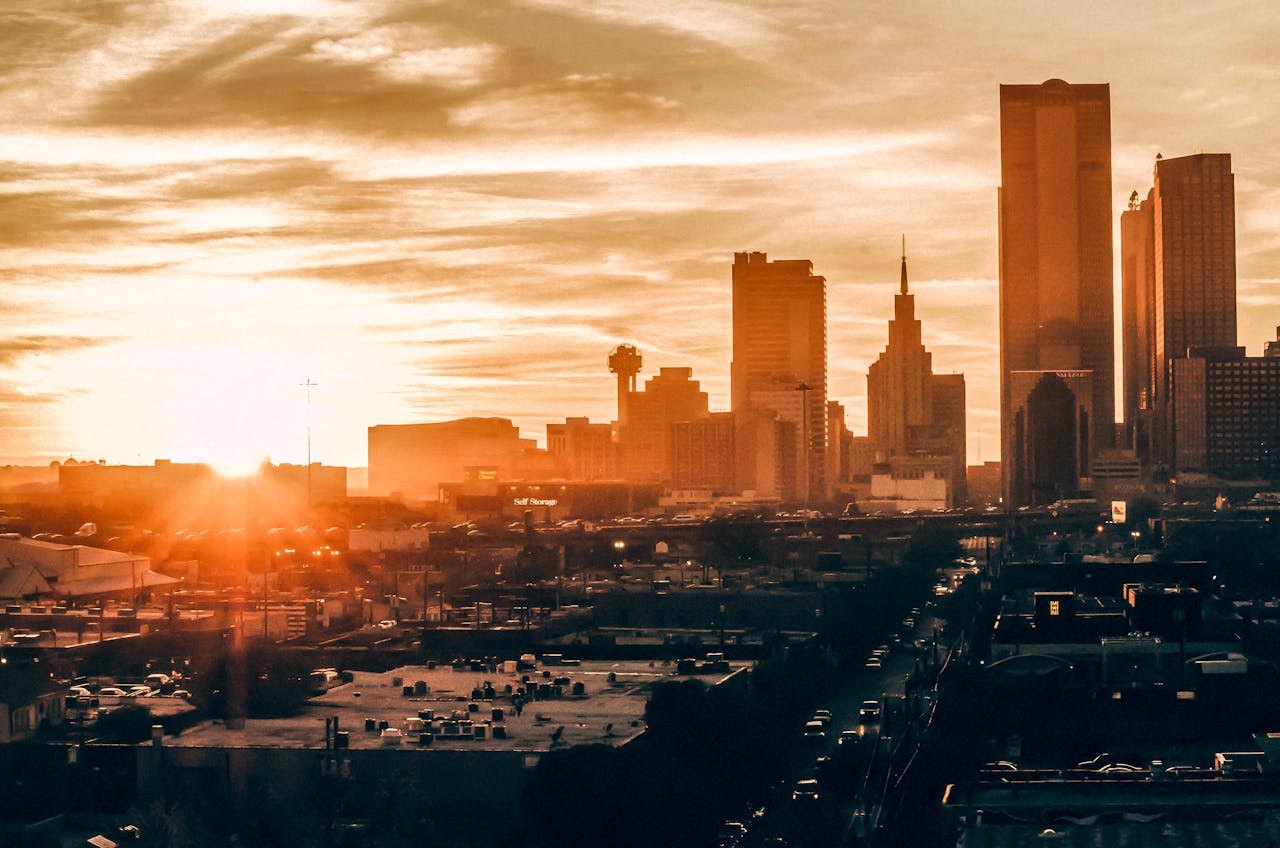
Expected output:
(780, 356)
(1056, 307)
(412, 460)
(646, 441)
(1178, 279)
(1226, 414)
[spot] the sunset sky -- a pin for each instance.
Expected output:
(435, 210)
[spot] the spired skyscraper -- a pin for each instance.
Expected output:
(780, 359)
(915, 418)
(1057, 383)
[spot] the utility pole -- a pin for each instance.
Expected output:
(804, 389)
(308, 386)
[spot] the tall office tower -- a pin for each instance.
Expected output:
(1138, 320)
(780, 357)
(1195, 272)
(1178, 279)
(1056, 349)
(898, 399)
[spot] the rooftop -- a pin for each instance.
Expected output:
(609, 712)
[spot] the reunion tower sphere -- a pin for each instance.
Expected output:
(624, 360)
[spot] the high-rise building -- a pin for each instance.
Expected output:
(898, 399)
(645, 442)
(912, 412)
(1056, 349)
(780, 356)
(1138, 319)
(1178, 279)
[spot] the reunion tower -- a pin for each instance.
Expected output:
(624, 360)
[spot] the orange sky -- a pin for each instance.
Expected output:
(457, 208)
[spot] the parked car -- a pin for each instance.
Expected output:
(113, 692)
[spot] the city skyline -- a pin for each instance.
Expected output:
(434, 213)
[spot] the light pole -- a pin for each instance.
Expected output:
(308, 386)
(804, 389)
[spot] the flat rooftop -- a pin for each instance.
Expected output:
(609, 712)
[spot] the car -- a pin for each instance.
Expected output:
(805, 791)
(79, 692)
(386, 624)
(824, 720)
(881, 651)
(180, 693)
(731, 833)
(908, 623)
(113, 692)
(1096, 763)
(848, 737)
(869, 711)
(155, 681)
(139, 692)
(822, 712)
(874, 664)
(1000, 765)
(1121, 768)
(915, 611)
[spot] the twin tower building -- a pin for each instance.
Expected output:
(1057, 373)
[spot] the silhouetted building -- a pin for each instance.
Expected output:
(1056, 346)
(1178, 276)
(912, 412)
(706, 454)
(646, 445)
(838, 437)
(764, 444)
(130, 487)
(1272, 349)
(1138, 319)
(586, 450)
(983, 483)
(780, 355)
(413, 459)
(1226, 414)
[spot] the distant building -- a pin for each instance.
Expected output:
(1055, 286)
(586, 450)
(413, 459)
(1226, 414)
(646, 441)
(1179, 284)
(983, 484)
(912, 412)
(132, 487)
(705, 454)
(780, 356)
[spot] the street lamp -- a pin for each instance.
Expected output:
(804, 389)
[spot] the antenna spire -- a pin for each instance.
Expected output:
(904, 263)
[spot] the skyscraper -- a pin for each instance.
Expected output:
(898, 400)
(1178, 278)
(912, 412)
(780, 355)
(1056, 371)
(1138, 319)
